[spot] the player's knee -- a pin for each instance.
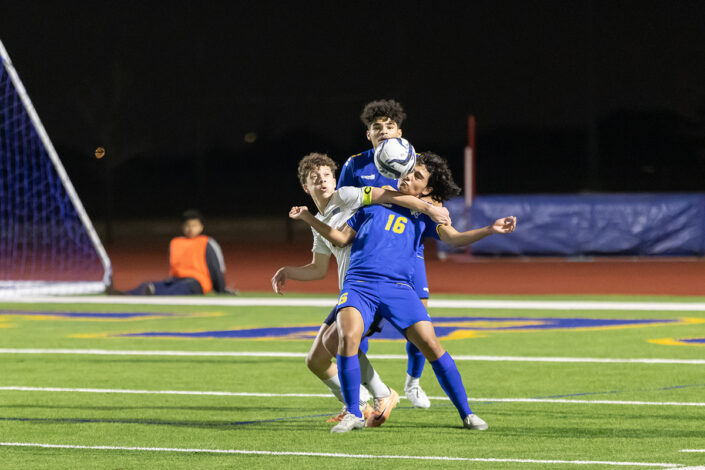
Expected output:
(431, 348)
(310, 361)
(350, 342)
(318, 359)
(436, 352)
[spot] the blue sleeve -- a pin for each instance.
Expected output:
(431, 229)
(346, 174)
(357, 219)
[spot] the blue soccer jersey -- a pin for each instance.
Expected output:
(360, 170)
(386, 243)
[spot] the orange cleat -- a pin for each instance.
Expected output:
(337, 418)
(366, 412)
(382, 408)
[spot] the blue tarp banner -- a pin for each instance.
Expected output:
(576, 225)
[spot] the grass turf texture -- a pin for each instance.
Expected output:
(539, 431)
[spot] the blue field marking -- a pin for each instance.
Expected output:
(679, 341)
(694, 340)
(446, 328)
(294, 332)
(48, 315)
(164, 423)
(659, 389)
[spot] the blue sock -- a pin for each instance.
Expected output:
(416, 360)
(364, 345)
(451, 383)
(349, 375)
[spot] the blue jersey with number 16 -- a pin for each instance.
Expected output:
(387, 239)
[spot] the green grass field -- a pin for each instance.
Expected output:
(63, 383)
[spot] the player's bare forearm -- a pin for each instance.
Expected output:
(335, 236)
(451, 236)
(309, 272)
(315, 270)
(438, 214)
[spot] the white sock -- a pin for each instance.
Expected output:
(364, 396)
(411, 382)
(370, 378)
(334, 385)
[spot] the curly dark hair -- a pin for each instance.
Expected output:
(440, 178)
(382, 108)
(312, 161)
(191, 214)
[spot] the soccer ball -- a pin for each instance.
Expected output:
(395, 158)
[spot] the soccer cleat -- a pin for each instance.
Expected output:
(339, 417)
(474, 422)
(366, 412)
(383, 406)
(417, 397)
(350, 422)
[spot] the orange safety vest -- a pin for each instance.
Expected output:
(187, 258)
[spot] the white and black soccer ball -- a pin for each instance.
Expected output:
(395, 158)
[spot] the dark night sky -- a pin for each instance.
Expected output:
(185, 81)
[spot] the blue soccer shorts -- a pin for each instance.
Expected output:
(376, 326)
(396, 302)
(420, 279)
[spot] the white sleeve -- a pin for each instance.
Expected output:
(350, 197)
(218, 253)
(319, 245)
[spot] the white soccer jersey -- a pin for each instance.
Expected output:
(342, 205)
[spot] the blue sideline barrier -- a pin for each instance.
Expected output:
(576, 225)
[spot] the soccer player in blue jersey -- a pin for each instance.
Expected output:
(317, 178)
(383, 120)
(384, 241)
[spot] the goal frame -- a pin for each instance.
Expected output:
(49, 287)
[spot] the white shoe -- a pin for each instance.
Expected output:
(417, 397)
(350, 422)
(473, 421)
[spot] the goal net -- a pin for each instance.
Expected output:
(47, 242)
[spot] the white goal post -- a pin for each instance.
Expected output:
(47, 242)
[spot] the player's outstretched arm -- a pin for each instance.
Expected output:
(438, 214)
(313, 271)
(451, 236)
(335, 236)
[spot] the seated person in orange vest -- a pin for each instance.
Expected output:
(196, 264)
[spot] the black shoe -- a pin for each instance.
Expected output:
(232, 291)
(148, 289)
(110, 290)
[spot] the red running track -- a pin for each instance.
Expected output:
(251, 266)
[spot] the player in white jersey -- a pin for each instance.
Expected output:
(317, 178)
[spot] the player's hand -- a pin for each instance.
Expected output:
(297, 212)
(440, 215)
(505, 225)
(278, 281)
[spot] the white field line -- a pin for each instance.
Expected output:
(327, 395)
(692, 450)
(338, 455)
(118, 352)
(329, 302)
